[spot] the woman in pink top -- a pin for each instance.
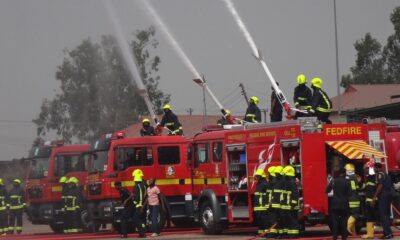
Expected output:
(153, 201)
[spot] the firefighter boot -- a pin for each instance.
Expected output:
(351, 225)
(370, 231)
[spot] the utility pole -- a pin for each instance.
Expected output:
(244, 93)
(337, 60)
(204, 104)
(190, 111)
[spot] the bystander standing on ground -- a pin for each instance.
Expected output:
(339, 204)
(154, 203)
(384, 197)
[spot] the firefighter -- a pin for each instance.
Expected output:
(139, 193)
(260, 200)
(291, 206)
(271, 217)
(16, 205)
(370, 211)
(64, 192)
(302, 96)
(354, 199)
(253, 113)
(277, 190)
(147, 129)
(170, 121)
(321, 105)
(276, 107)
(3, 208)
(72, 207)
(126, 200)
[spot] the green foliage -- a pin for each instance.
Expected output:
(374, 65)
(97, 94)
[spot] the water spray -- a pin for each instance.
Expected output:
(257, 54)
(150, 10)
(129, 58)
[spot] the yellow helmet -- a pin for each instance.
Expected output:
(288, 171)
(254, 99)
(278, 170)
(271, 171)
(301, 79)
(317, 82)
(167, 106)
(137, 175)
(349, 167)
(73, 180)
(1, 182)
(146, 120)
(227, 112)
(63, 179)
(260, 172)
(17, 181)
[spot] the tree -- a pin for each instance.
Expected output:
(97, 94)
(369, 68)
(391, 51)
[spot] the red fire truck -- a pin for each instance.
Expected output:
(47, 163)
(164, 157)
(209, 178)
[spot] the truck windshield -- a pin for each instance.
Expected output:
(99, 161)
(39, 167)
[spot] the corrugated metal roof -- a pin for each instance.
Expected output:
(366, 96)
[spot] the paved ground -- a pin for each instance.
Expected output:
(44, 232)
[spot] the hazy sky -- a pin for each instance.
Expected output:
(294, 36)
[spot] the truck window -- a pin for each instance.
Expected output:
(217, 152)
(168, 155)
(134, 156)
(202, 153)
(68, 163)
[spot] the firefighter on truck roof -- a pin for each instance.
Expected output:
(16, 205)
(302, 96)
(147, 129)
(3, 208)
(276, 107)
(139, 194)
(260, 201)
(321, 105)
(253, 113)
(170, 121)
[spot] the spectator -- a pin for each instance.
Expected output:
(154, 203)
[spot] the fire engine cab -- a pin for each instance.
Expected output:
(47, 163)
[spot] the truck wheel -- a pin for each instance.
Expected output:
(88, 224)
(57, 228)
(208, 222)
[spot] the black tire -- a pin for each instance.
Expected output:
(162, 219)
(88, 224)
(208, 221)
(57, 228)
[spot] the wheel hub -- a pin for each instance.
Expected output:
(208, 217)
